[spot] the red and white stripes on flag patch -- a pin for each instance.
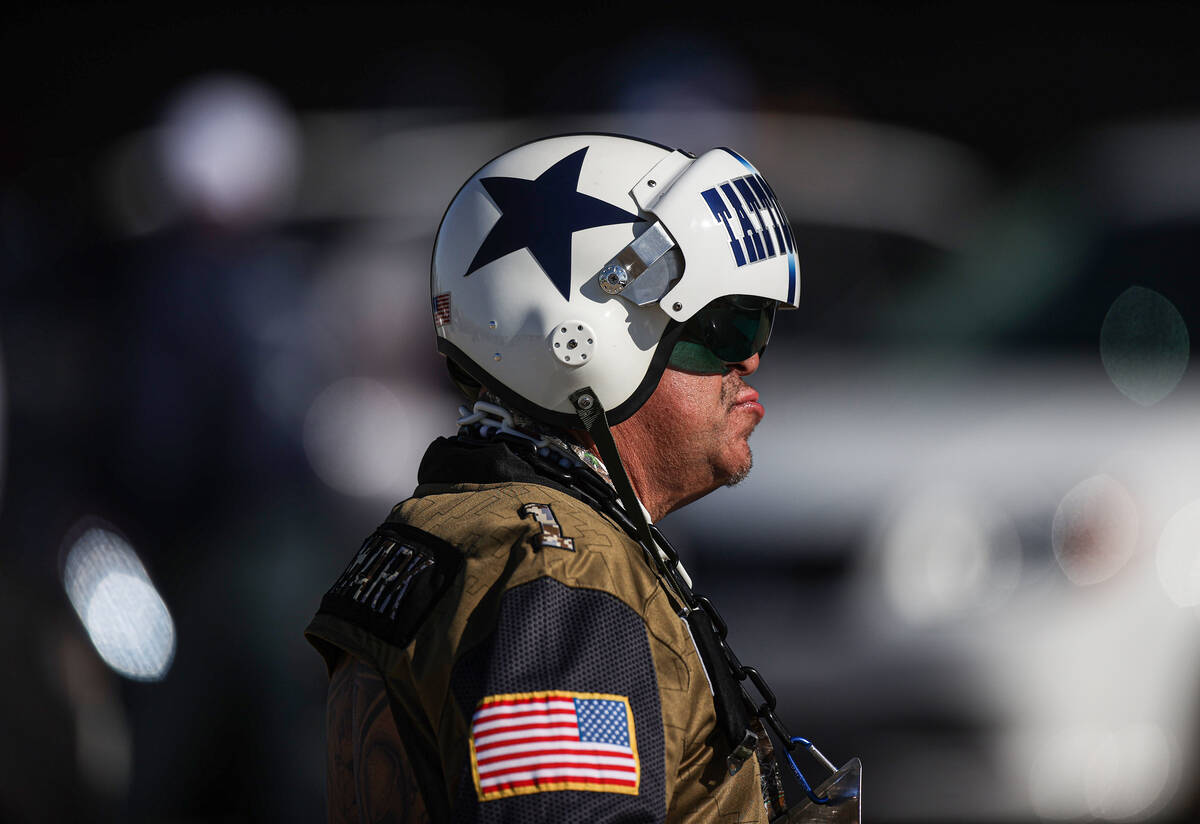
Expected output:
(534, 742)
(441, 309)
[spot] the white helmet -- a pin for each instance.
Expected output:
(578, 261)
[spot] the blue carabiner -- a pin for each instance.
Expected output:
(808, 745)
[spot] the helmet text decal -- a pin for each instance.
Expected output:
(762, 231)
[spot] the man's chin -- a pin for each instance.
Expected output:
(742, 472)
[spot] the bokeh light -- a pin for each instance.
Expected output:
(364, 439)
(125, 617)
(1144, 345)
(1095, 530)
(1179, 556)
(1142, 776)
(230, 149)
(946, 554)
(1059, 775)
(1113, 775)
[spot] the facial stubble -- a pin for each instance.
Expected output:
(731, 387)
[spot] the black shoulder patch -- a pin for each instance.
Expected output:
(551, 531)
(394, 581)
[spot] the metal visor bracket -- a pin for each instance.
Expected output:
(642, 271)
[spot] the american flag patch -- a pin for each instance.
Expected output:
(441, 309)
(532, 742)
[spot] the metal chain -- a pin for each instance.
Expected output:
(743, 673)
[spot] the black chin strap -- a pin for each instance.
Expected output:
(733, 706)
(591, 414)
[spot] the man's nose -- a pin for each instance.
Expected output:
(745, 367)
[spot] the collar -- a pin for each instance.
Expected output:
(489, 419)
(492, 447)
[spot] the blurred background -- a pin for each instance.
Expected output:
(970, 549)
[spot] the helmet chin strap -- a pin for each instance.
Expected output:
(595, 423)
(663, 558)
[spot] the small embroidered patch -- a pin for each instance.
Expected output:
(535, 742)
(551, 531)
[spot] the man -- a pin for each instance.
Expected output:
(517, 642)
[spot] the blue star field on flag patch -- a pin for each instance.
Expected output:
(541, 215)
(602, 721)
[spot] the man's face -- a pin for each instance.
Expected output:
(690, 437)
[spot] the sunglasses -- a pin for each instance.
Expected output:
(728, 330)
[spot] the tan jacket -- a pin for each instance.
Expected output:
(504, 593)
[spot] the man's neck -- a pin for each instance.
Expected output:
(647, 465)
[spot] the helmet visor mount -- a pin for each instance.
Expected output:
(726, 331)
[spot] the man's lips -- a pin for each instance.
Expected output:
(748, 401)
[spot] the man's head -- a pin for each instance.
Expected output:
(571, 272)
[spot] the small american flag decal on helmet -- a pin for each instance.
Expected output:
(536, 742)
(441, 309)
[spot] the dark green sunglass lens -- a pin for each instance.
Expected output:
(724, 332)
(696, 357)
(734, 329)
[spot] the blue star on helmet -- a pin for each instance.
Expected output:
(541, 215)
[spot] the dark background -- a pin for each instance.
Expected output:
(135, 354)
